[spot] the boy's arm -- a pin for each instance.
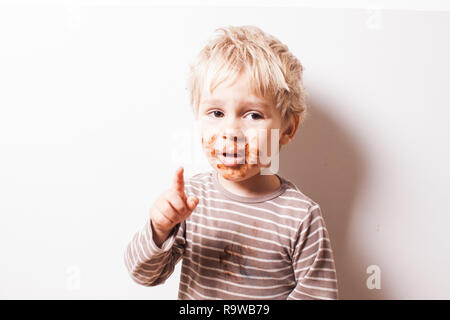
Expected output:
(149, 264)
(313, 261)
(154, 250)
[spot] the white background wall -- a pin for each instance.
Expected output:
(93, 105)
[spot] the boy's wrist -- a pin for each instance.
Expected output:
(159, 236)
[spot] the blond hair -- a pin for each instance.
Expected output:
(274, 72)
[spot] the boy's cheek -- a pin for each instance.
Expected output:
(209, 142)
(259, 148)
(252, 148)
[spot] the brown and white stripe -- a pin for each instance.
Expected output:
(270, 247)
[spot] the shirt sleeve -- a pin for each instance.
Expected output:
(313, 261)
(150, 265)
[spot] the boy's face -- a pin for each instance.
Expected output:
(235, 126)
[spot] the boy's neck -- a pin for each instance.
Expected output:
(258, 185)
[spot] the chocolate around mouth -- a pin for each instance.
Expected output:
(226, 162)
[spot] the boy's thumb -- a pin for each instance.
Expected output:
(192, 202)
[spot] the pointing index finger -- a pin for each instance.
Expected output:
(178, 182)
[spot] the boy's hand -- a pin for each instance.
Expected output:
(171, 208)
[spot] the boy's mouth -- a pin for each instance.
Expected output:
(235, 158)
(232, 154)
(231, 160)
(231, 150)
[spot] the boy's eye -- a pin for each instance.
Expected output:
(216, 113)
(255, 116)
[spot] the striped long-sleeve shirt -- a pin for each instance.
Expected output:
(274, 246)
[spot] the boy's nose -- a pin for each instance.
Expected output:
(232, 134)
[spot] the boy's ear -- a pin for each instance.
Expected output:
(289, 129)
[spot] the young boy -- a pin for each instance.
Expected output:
(242, 232)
